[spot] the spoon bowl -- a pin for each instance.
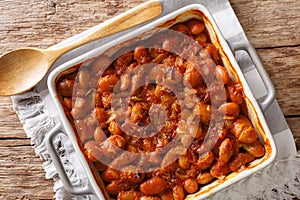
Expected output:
(22, 69)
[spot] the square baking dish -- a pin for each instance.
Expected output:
(254, 111)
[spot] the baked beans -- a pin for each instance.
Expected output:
(87, 94)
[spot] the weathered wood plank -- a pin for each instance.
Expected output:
(21, 174)
(270, 23)
(283, 66)
(14, 142)
(45, 23)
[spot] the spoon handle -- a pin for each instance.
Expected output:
(135, 16)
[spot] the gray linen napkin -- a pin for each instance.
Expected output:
(38, 114)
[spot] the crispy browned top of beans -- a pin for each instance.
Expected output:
(87, 93)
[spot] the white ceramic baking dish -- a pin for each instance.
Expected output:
(255, 111)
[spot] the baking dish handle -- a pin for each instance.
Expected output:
(246, 46)
(59, 166)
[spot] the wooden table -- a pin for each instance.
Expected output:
(272, 26)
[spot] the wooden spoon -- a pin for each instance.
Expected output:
(22, 69)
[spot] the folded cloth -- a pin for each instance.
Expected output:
(280, 180)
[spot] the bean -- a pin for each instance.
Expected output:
(190, 186)
(195, 26)
(129, 195)
(219, 170)
(186, 139)
(248, 136)
(205, 112)
(84, 78)
(243, 130)
(121, 64)
(214, 53)
(169, 61)
(201, 39)
(117, 140)
(225, 151)
(193, 171)
(92, 151)
(112, 188)
(205, 160)
(204, 147)
(229, 109)
(235, 145)
(65, 87)
(99, 135)
(101, 115)
(238, 162)
(141, 55)
(98, 99)
(195, 130)
(184, 162)
(130, 173)
(114, 128)
(124, 159)
(112, 145)
(256, 149)
(137, 113)
(68, 103)
(162, 56)
(249, 157)
(132, 66)
(101, 63)
(172, 155)
(204, 178)
(182, 29)
(222, 74)
(147, 144)
(153, 186)
(192, 77)
(106, 99)
(235, 92)
(107, 83)
(131, 148)
(178, 192)
(110, 175)
(166, 195)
